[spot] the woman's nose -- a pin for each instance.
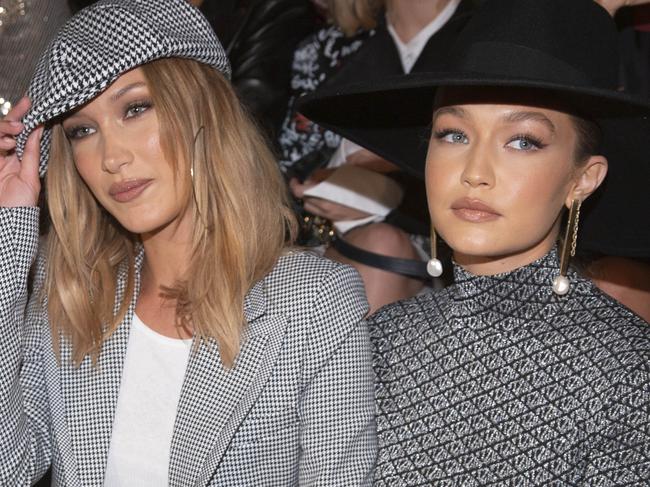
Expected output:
(478, 169)
(116, 152)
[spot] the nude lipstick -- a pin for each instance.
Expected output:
(125, 191)
(474, 211)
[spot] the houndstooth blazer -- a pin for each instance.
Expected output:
(296, 409)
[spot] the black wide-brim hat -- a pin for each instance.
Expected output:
(565, 48)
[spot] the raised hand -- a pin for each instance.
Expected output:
(19, 182)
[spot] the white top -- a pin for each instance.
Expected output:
(410, 51)
(154, 368)
(355, 188)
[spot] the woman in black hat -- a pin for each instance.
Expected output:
(172, 335)
(522, 372)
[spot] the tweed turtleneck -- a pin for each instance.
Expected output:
(497, 380)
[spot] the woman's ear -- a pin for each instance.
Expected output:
(587, 179)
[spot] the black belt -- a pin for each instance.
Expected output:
(416, 269)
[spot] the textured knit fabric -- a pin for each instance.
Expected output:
(295, 409)
(498, 381)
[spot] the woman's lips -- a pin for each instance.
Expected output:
(474, 211)
(126, 191)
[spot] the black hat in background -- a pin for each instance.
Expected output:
(566, 48)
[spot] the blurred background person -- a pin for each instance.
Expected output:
(377, 212)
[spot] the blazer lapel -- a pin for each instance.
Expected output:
(215, 400)
(90, 393)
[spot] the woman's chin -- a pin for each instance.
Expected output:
(476, 247)
(139, 227)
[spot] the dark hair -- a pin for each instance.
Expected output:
(589, 137)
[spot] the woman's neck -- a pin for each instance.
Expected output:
(409, 17)
(167, 257)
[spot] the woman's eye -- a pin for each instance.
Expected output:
(452, 136)
(136, 109)
(76, 133)
(525, 143)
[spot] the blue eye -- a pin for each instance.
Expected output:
(525, 143)
(452, 136)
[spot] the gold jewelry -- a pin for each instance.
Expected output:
(434, 266)
(201, 132)
(196, 138)
(561, 282)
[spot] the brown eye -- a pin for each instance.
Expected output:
(136, 109)
(79, 132)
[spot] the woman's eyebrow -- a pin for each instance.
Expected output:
(127, 88)
(515, 117)
(456, 111)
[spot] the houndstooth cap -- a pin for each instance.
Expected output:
(103, 41)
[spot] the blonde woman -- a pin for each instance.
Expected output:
(171, 337)
(522, 372)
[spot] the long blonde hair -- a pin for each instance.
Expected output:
(352, 15)
(242, 220)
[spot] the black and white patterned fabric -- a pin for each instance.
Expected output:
(296, 408)
(105, 40)
(496, 380)
(316, 59)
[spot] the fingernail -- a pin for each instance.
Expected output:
(15, 124)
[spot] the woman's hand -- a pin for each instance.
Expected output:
(612, 6)
(319, 206)
(19, 182)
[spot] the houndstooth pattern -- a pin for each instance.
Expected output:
(296, 409)
(102, 42)
(498, 381)
(17, 249)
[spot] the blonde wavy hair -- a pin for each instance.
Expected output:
(242, 220)
(352, 15)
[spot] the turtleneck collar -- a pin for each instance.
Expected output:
(515, 298)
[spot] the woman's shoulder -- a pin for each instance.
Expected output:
(303, 276)
(425, 306)
(623, 334)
